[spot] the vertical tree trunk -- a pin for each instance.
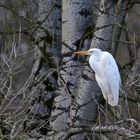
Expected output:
(76, 17)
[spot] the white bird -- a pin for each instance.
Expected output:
(106, 73)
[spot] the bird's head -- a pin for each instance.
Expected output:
(94, 51)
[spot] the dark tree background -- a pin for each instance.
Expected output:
(48, 93)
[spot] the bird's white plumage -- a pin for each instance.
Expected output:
(106, 74)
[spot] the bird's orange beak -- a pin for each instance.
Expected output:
(81, 52)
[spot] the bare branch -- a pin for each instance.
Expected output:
(126, 133)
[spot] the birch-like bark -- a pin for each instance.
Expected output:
(76, 18)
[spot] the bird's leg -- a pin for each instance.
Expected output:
(106, 109)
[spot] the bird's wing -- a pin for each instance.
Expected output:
(99, 81)
(111, 78)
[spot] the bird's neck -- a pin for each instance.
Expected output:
(95, 65)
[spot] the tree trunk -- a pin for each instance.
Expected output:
(76, 18)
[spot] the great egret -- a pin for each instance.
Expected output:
(106, 73)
